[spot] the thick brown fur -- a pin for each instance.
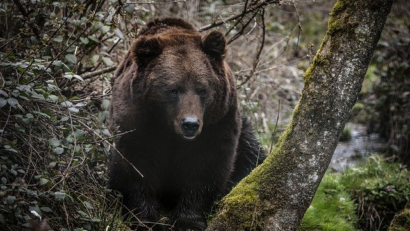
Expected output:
(175, 99)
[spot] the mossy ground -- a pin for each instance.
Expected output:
(362, 198)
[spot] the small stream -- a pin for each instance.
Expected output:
(348, 153)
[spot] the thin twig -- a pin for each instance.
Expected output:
(59, 54)
(244, 26)
(99, 72)
(234, 17)
(122, 156)
(262, 44)
(299, 26)
(276, 127)
(26, 15)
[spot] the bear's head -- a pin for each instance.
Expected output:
(182, 77)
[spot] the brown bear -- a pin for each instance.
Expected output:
(174, 106)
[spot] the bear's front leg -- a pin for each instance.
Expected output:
(141, 208)
(139, 199)
(205, 182)
(194, 206)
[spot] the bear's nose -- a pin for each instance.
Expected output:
(189, 126)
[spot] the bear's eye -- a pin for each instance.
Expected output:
(202, 92)
(174, 92)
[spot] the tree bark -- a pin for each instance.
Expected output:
(276, 194)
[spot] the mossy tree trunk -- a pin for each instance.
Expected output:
(276, 195)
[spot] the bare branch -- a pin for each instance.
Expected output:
(262, 44)
(99, 72)
(242, 14)
(25, 14)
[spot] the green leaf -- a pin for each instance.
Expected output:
(54, 142)
(107, 61)
(102, 116)
(66, 104)
(64, 118)
(81, 104)
(95, 220)
(105, 29)
(78, 77)
(88, 205)
(106, 132)
(118, 33)
(59, 196)
(14, 172)
(58, 39)
(84, 40)
(42, 181)
(10, 199)
(71, 58)
(52, 164)
(94, 39)
(94, 59)
(105, 104)
(42, 114)
(3, 102)
(3, 93)
(57, 63)
(46, 209)
(73, 109)
(58, 151)
(83, 214)
(12, 102)
(53, 98)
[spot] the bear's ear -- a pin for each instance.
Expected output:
(214, 44)
(145, 49)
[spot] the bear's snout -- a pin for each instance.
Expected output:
(190, 127)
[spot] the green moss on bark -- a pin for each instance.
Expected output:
(243, 205)
(340, 20)
(318, 61)
(401, 221)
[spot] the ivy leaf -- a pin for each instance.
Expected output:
(66, 104)
(53, 98)
(105, 104)
(46, 209)
(59, 196)
(107, 61)
(94, 39)
(88, 205)
(94, 59)
(84, 40)
(71, 58)
(42, 181)
(42, 114)
(58, 151)
(3, 102)
(52, 164)
(95, 220)
(118, 33)
(83, 214)
(12, 102)
(81, 104)
(78, 77)
(58, 39)
(10, 199)
(54, 142)
(73, 109)
(3, 93)
(105, 29)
